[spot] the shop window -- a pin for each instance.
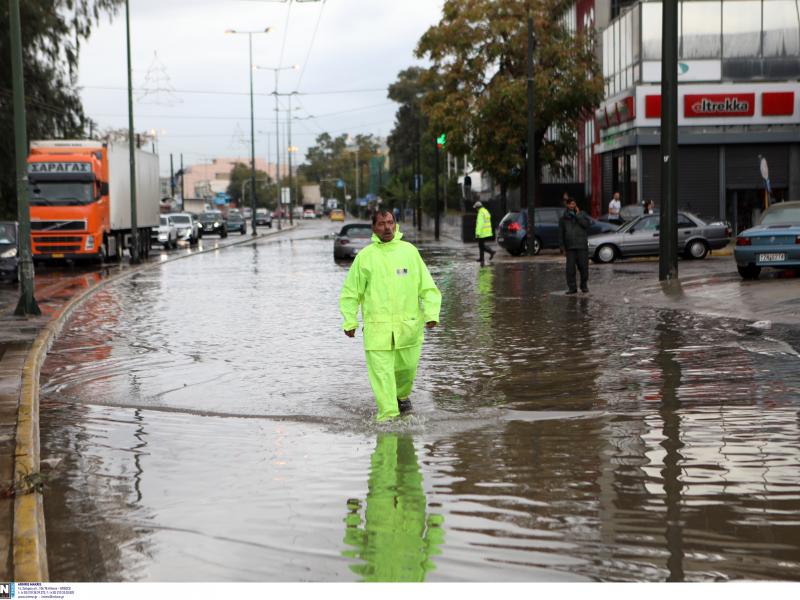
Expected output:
(651, 30)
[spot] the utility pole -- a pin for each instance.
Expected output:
(252, 146)
(668, 229)
(278, 156)
(27, 304)
(531, 158)
(131, 143)
(289, 157)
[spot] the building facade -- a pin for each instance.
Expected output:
(738, 105)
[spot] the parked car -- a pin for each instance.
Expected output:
(236, 222)
(263, 218)
(773, 243)
(641, 238)
(351, 239)
(166, 234)
(513, 229)
(188, 229)
(212, 222)
(9, 251)
(337, 214)
(309, 214)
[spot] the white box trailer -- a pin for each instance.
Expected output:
(148, 188)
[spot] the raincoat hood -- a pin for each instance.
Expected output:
(398, 235)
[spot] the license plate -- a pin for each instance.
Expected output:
(58, 256)
(501, 239)
(772, 257)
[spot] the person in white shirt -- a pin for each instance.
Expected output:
(614, 206)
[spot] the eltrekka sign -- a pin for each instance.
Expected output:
(719, 105)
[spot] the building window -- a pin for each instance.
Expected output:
(700, 23)
(741, 26)
(781, 29)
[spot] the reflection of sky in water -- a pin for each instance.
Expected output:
(213, 423)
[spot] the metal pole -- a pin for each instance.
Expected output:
(131, 143)
(531, 159)
(278, 156)
(171, 177)
(183, 188)
(419, 175)
(289, 160)
(668, 240)
(358, 174)
(27, 304)
(436, 196)
(252, 146)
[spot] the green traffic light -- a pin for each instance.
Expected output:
(441, 140)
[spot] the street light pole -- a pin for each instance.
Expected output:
(131, 143)
(668, 239)
(252, 125)
(27, 304)
(289, 153)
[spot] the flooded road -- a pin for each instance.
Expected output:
(209, 421)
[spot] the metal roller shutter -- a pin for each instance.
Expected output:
(608, 180)
(742, 165)
(651, 175)
(698, 180)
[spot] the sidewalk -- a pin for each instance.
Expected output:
(23, 347)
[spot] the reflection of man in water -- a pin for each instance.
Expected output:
(398, 298)
(394, 540)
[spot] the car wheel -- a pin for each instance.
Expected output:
(697, 249)
(537, 246)
(606, 253)
(749, 271)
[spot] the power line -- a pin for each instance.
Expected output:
(227, 93)
(283, 44)
(310, 46)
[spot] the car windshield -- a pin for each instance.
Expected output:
(210, 217)
(236, 218)
(357, 232)
(781, 215)
(8, 234)
(181, 219)
(261, 211)
(62, 193)
(164, 221)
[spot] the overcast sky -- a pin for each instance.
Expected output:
(181, 45)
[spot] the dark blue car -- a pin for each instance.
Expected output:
(774, 242)
(512, 231)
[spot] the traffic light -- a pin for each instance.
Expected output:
(441, 141)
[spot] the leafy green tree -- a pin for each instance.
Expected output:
(478, 53)
(240, 179)
(52, 31)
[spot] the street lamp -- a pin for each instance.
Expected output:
(276, 70)
(252, 120)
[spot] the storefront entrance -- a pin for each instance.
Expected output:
(743, 207)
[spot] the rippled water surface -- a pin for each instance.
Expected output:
(207, 420)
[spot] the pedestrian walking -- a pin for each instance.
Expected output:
(398, 298)
(573, 239)
(614, 207)
(483, 230)
(649, 207)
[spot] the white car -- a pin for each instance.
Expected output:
(188, 228)
(165, 234)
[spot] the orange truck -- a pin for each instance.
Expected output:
(80, 196)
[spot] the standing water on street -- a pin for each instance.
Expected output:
(207, 420)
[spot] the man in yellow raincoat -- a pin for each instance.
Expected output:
(398, 299)
(483, 230)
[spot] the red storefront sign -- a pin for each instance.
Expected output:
(719, 105)
(652, 107)
(777, 104)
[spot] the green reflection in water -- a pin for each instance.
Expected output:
(394, 537)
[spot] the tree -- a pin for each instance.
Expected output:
(240, 180)
(52, 31)
(478, 79)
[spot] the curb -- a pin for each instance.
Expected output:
(28, 535)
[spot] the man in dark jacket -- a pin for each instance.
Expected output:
(573, 238)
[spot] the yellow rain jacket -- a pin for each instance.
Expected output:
(483, 225)
(396, 293)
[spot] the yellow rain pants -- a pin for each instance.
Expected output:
(391, 375)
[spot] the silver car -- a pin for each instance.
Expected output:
(351, 240)
(187, 226)
(165, 234)
(641, 238)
